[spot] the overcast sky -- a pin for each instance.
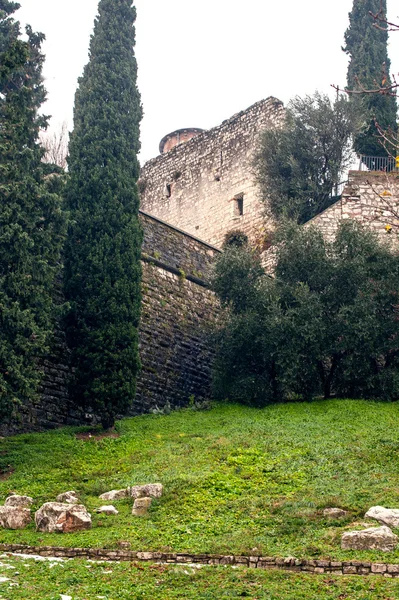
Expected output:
(200, 62)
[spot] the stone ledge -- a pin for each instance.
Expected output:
(354, 567)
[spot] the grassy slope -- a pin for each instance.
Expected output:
(235, 478)
(81, 580)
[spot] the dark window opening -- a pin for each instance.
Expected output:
(239, 205)
(168, 190)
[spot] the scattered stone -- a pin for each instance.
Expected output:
(62, 518)
(108, 510)
(19, 501)
(14, 517)
(151, 490)
(386, 516)
(334, 513)
(63, 597)
(68, 498)
(374, 538)
(114, 495)
(141, 506)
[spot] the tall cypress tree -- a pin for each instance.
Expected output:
(31, 221)
(369, 67)
(103, 270)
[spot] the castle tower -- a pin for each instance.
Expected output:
(203, 181)
(180, 136)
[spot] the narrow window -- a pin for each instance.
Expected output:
(239, 205)
(168, 190)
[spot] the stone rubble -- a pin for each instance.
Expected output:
(107, 510)
(115, 495)
(374, 538)
(385, 516)
(150, 490)
(334, 513)
(56, 517)
(68, 498)
(18, 501)
(14, 517)
(141, 506)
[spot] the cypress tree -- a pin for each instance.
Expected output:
(103, 269)
(31, 220)
(369, 68)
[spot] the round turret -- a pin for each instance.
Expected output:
(181, 136)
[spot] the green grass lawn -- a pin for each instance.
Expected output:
(237, 480)
(88, 581)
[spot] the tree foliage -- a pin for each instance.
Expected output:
(328, 322)
(31, 220)
(300, 164)
(103, 269)
(369, 69)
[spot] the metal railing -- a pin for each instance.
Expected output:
(377, 163)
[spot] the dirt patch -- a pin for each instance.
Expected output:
(6, 473)
(95, 436)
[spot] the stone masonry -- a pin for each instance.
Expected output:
(175, 352)
(372, 198)
(293, 564)
(206, 186)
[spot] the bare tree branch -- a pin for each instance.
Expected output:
(55, 145)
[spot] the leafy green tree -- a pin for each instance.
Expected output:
(300, 164)
(328, 322)
(103, 270)
(369, 69)
(31, 220)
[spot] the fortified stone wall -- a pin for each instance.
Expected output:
(372, 198)
(206, 186)
(175, 351)
(177, 311)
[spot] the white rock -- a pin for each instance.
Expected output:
(386, 516)
(374, 538)
(114, 495)
(68, 498)
(108, 510)
(18, 501)
(63, 597)
(62, 518)
(151, 490)
(334, 513)
(13, 517)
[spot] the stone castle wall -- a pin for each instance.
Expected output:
(369, 197)
(206, 186)
(175, 351)
(372, 198)
(177, 311)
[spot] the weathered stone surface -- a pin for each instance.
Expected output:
(141, 506)
(359, 200)
(108, 510)
(150, 490)
(385, 516)
(19, 501)
(196, 186)
(68, 498)
(114, 495)
(334, 513)
(374, 538)
(14, 517)
(175, 352)
(62, 518)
